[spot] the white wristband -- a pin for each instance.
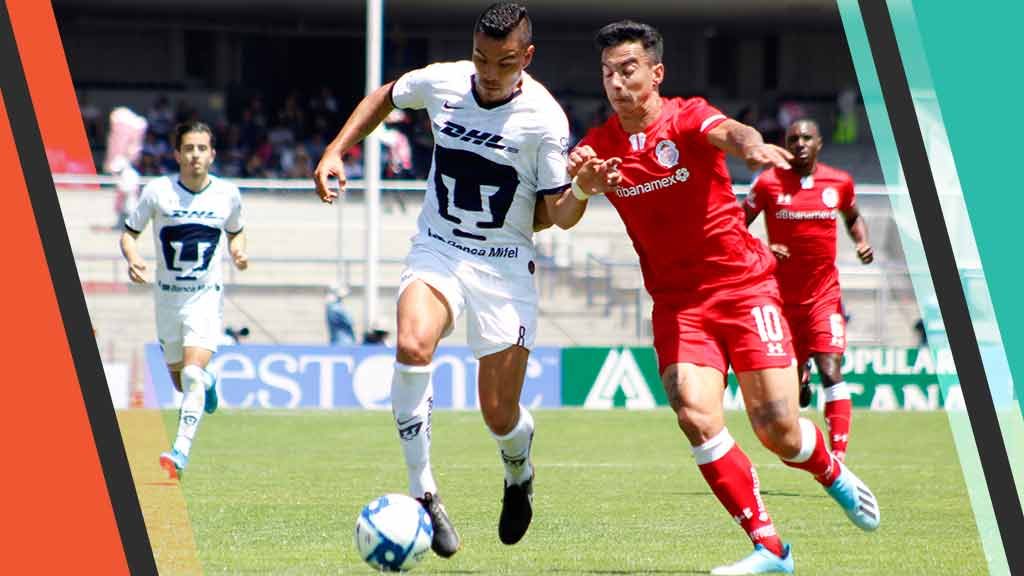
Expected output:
(578, 191)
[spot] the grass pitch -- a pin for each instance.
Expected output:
(616, 493)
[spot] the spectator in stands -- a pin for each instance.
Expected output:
(846, 117)
(339, 322)
(149, 166)
(354, 162)
(92, 118)
(376, 336)
(126, 190)
(161, 117)
(298, 164)
(398, 151)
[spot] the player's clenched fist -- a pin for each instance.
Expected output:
(330, 165)
(241, 260)
(865, 253)
(578, 157)
(137, 272)
(767, 156)
(781, 251)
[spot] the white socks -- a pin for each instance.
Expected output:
(193, 385)
(837, 391)
(714, 448)
(411, 403)
(808, 441)
(515, 449)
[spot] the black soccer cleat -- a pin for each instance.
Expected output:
(446, 540)
(805, 385)
(516, 512)
(805, 394)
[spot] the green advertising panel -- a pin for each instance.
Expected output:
(879, 378)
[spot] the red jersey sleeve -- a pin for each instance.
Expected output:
(847, 197)
(697, 116)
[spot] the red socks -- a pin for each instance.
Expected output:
(838, 414)
(734, 481)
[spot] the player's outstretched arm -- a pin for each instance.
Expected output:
(541, 217)
(237, 244)
(858, 230)
(130, 250)
(565, 209)
(370, 112)
(746, 143)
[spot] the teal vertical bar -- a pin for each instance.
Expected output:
(917, 264)
(979, 85)
(959, 224)
(980, 92)
(961, 233)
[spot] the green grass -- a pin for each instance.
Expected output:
(616, 493)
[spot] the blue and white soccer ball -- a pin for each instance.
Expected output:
(393, 533)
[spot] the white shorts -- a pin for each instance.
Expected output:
(194, 320)
(500, 301)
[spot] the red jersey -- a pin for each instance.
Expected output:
(678, 206)
(801, 212)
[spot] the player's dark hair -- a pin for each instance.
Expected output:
(190, 126)
(630, 31)
(805, 120)
(501, 18)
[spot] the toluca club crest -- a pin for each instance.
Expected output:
(667, 153)
(830, 197)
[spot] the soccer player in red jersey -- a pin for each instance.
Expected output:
(800, 207)
(661, 163)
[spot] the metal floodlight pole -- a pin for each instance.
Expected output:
(371, 165)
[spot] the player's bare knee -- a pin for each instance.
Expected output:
(776, 427)
(696, 424)
(192, 376)
(414, 350)
(829, 370)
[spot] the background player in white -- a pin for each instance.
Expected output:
(500, 143)
(190, 211)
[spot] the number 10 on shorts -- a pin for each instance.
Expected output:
(769, 327)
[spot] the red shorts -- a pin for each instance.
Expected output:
(743, 327)
(818, 327)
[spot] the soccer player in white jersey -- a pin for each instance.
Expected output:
(500, 143)
(190, 211)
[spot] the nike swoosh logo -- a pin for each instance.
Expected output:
(448, 106)
(401, 423)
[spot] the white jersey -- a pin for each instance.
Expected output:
(187, 230)
(491, 162)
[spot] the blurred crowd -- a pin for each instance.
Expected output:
(285, 140)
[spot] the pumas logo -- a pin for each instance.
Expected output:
(830, 197)
(667, 153)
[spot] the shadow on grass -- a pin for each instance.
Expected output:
(610, 571)
(773, 493)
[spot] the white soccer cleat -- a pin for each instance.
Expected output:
(760, 561)
(856, 498)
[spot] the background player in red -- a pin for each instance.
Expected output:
(800, 207)
(661, 162)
